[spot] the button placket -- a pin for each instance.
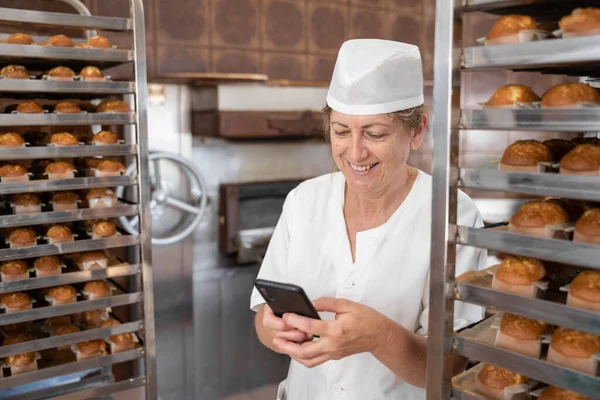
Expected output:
(348, 283)
(336, 389)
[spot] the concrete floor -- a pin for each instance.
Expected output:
(268, 392)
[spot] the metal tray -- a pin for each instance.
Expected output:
(28, 153)
(70, 368)
(531, 367)
(67, 119)
(534, 119)
(65, 184)
(539, 184)
(66, 309)
(69, 278)
(37, 86)
(55, 217)
(82, 390)
(73, 247)
(562, 251)
(541, 10)
(64, 20)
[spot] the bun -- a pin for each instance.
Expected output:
(559, 147)
(27, 199)
(60, 41)
(584, 291)
(55, 322)
(525, 155)
(17, 338)
(91, 347)
(97, 289)
(12, 170)
(510, 25)
(16, 267)
(30, 107)
(99, 42)
(518, 275)
(105, 137)
(91, 256)
(91, 72)
(97, 193)
(118, 106)
(19, 38)
(65, 197)
(67, 107)
(104, 229)
(92, 318)
(556, 393)
(17, 301)
(581, 22)
(570, 94)
(22, 237)
(63, 139)
(66, 329)
(584, 159)
(59, 167)
(59, 233)
(47, 263)
(11, 139)
(521, 335)
(534, 217)
(510, 94)
(14, 72)
(61, 72)
(63, 294)
(110, 166)
(492, 380)
(587, 228)
(574, 349)
(83, 45)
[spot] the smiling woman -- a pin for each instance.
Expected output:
(358, 240)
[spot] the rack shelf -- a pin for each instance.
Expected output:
(64, 88)
(541, 10)
(67, 119)
(534, 119)
(73, 247)
(64, 340)
(69, 278)
(575, 54)
(54, 217)
(47, 56)
(29, 153)
(531, 367)
(70, 368)
(64, 20)
(102, 390)
(72, 308)
(561, 251)
(539, 184)
(65, 184)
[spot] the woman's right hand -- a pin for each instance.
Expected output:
(278, 328)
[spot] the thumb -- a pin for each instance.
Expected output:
(329, 304)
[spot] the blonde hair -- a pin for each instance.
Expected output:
(410, 118)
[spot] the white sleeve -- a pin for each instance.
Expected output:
(274, 266)
(467, 259)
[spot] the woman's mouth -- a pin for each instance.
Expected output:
(361, 169)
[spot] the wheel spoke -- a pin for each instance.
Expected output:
(180, 205)
(157, 176)
(134, 222)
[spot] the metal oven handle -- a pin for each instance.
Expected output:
(161, 198)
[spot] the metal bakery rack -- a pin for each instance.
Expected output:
(131, 275)
(572, 56)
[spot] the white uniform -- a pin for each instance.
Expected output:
(310, 248)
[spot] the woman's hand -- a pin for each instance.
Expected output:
(356, 329)
(278, 328)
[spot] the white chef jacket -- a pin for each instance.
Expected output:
(310, 248)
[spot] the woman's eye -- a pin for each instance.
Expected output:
(375, 136)
(343, 133)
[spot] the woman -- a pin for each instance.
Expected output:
(358, 241)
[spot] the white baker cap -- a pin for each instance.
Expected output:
(373, 76)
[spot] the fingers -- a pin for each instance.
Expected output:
(313, 362)
(301, 351)
(294, 336)
(273, 322)
(304, 324)
(329, 304)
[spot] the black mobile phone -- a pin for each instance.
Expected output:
(286, 298)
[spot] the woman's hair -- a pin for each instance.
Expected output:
(410, 118)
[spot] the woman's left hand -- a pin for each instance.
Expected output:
(356, 329)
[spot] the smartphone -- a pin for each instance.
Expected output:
(286, 298)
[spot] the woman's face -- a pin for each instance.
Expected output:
(371, 150)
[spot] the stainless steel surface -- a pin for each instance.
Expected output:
(65, 20)
(82, 9)
(72, 338)
(531, 367)
(562, 251)
(54, 217)
(540, 184)
(69, 278)
(72, 308)
(541, 310)
(50, 392)
(141, 104)
(28, 153)
(444, 202)
(458, 394)
(65, 184)
(543, 53)
(65, 87)
(105, 389)
(64, 248)
(51, 119)
(540, 119)
(25, 54)
(83, 365)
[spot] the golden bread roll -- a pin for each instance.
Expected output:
(14, 72)
(492, 380)
(569, 95)
(11, 139)
(19, 38)
(63, 139)
(508, 95)
(60, 41)
(509, 25)
(525, 153)
(67, 107)
(584, 291)
(99, 42)
(30, 107)
(581, 22)
(584, 159)
(117, 106)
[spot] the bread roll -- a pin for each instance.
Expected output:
(105, 138)
(524, 156)
(59, 234)
(559, 147)
(584, 291)
(587, 228)
(67, 107)
(491, 381)
(535, 217)
(63, 139)
(22, 237)
(60, 41)
(574, 349)
(97, 290)
(64, 201)
(30, 107)
(521, 335)
(19, 38)
(581, 22)
(63, 295)
(99, 42)
(18, 301)
(556, 393)
(14, 270)
(91, 73)
(47, 266)
(14, 72)
(13, 173)
(113, 106)
(510, 94)
(90, 349)
(570, 95)
(61, 73)
(518, 275)
(11, 139)
(584, 159)
(60, 170)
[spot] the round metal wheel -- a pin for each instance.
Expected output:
(169, 214)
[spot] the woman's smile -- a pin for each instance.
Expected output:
(363, 169)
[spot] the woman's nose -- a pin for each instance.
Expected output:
(358, 150)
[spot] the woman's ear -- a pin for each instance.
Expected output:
(418, 134)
